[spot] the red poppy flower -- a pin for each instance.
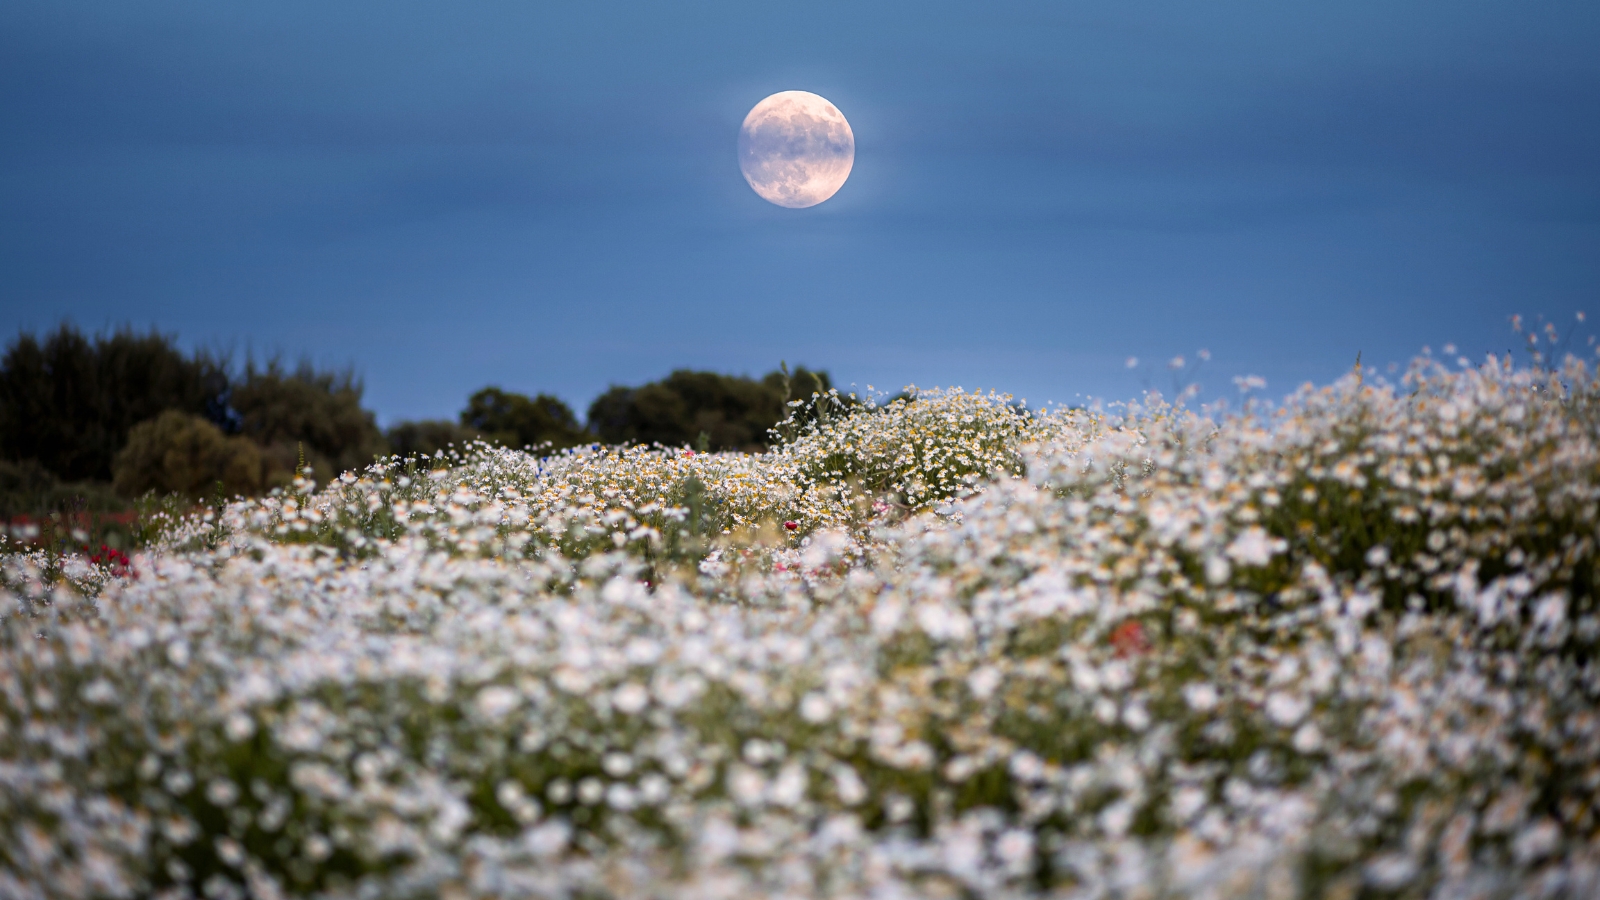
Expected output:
(1129, 639)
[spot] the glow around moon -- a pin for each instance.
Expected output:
(796, 149)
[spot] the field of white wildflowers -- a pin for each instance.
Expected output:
(1340, 646)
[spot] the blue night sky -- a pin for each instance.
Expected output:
(546, 197)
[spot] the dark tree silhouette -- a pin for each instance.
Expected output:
(733, 412)
(306, 410)
(428, 436)
(514, 420)
(68, 401)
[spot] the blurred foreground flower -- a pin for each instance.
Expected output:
(1343, 646)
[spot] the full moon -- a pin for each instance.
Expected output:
(796, 149)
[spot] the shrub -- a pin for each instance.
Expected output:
(427, 437)
(308, 411)
(26, 488)
(733, 412)
(29, 489)
(180, 453)
(68, 401)
(513, 420)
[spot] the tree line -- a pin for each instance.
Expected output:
(109, 417)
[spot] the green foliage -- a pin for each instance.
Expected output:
(427, 437)
(517, 421)
(803, 391)
(179, 453)
(69, 400)
(157, 516)
(26, 488)
(41, 509)
(733, 412)
(280, 409)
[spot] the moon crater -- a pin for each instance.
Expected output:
(796, 149)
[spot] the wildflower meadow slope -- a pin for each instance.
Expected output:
(1341, 646)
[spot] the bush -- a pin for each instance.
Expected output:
(69, 400)
(733, 412)
(26, 488)
(29, 489)
(38, 508)
(305, 410)
(513, 420)
(180, 453)
(427, 437)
